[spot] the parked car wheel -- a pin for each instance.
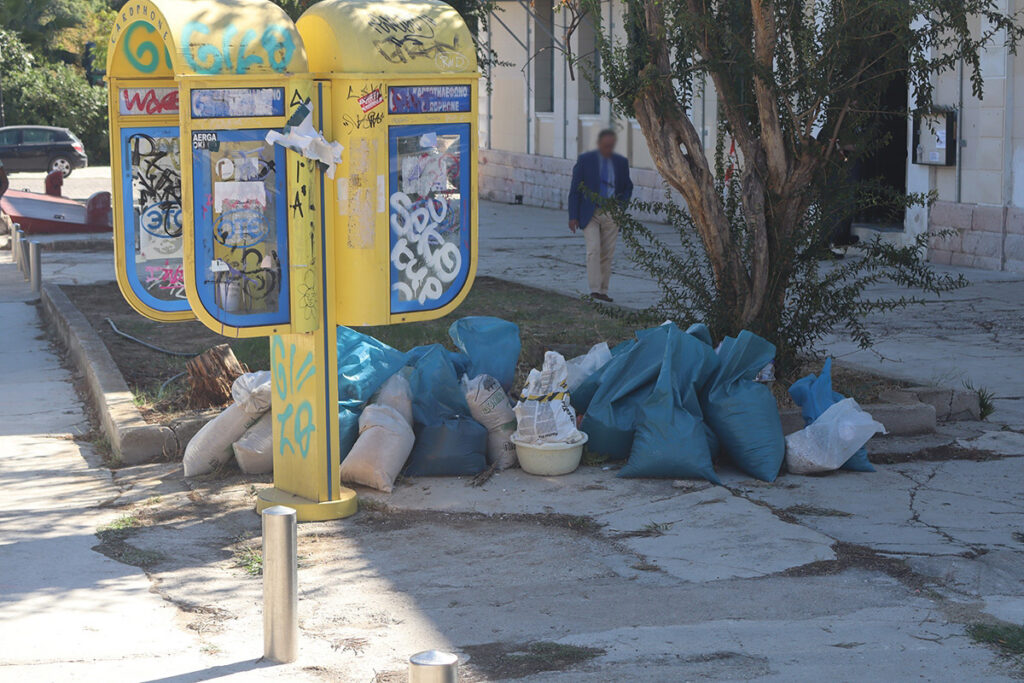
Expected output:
(62, 164)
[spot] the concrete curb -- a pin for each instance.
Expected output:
(132, 439)
(900, 419)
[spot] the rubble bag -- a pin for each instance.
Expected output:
(348, 429)
(459, 360)
(670, 439)
(743, 413)
(544, 413)
(454, 447)
(701, 332)
(813, 394)
(489, 405)
(448, 441)
(211, 448)
(585, 392)
(252, 391)
(396, 393)
(364, 363)
(582, 367)
(829, 441)
(492, 345)
(626, 382)
(384, 443)
(254, 452)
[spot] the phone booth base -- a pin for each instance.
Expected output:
(344, 505)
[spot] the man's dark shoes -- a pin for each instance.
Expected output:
(601, 297)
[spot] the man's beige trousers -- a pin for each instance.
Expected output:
(600, 234)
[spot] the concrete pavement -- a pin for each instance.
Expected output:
(68, 612)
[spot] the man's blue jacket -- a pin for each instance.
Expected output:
(587, 172)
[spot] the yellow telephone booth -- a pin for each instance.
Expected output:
(234, 204)
(399, 88)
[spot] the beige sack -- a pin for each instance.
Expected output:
(254, 452)
(378, 455)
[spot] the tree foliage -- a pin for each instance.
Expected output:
(58, 95)
(799, 86)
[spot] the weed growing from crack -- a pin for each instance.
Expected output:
(251, 560)
(986, 399)
(1007, 637)
(120, 527)
(814, 511)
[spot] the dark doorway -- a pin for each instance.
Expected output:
(888, 164)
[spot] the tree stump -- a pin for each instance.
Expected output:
(210, 376)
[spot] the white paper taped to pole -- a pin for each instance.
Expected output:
(310, 143)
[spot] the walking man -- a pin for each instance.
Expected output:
(601, 173)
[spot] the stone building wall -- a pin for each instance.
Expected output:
(989, 237)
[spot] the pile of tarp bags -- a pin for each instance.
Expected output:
(667, 402)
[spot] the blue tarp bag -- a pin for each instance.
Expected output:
(625, 383)
(671, 440)
(364, 364)
(492, 345)
(742, 412)
(814, 395)
(448, 441)
(459, 360)
(581, 398)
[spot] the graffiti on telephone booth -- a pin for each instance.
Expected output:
(429, 215)
(153, 201)
(239, 212)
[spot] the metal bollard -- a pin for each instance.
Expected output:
(23, 255)
(434, 666)
(35, 269)
(280, 585)
(15, 247)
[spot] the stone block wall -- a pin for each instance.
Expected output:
(544, 181)
(987, 237)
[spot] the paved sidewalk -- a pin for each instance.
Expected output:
(68, 612)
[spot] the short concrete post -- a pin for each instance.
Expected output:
(280, 585)
(434, 666)
(35, 269)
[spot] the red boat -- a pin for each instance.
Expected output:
(43, 214)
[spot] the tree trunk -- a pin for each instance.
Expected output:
(211, 375)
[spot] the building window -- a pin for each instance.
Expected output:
(588, 71)
(544, 57)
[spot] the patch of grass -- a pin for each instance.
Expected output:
(372, 505)
(814, 511)
(254, 352)
(113, 544)
(547, 321)
(1008, 638)
(250, 559)
(120, 527)
(986, 399)
(556, 655)
(645, 566)
(106, 452)
(582, 523)
(591, 459)
(500, 661)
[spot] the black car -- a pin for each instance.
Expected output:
(41, 148)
